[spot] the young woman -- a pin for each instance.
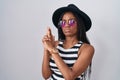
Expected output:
(70, 57)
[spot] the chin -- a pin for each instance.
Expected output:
(68, 35)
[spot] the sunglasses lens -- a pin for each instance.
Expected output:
(62, 23)
(71, 22)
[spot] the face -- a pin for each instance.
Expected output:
(68, 24)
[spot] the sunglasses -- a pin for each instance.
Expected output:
(71, 22)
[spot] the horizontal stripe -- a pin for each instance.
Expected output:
(75, 46)
(67, 50)
(80, 42)
(68, 55)
(69, 58)
(56, 77)
(70, 65)
(69, 61)
(53, 64)
(58, 72)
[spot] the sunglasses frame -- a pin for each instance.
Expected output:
(70, 22)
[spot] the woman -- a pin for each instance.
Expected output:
(70, 57)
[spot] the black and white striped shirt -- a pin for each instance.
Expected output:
(69, 56)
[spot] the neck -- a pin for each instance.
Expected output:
(71, 40)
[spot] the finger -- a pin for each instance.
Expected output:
(45, 38)
(49, 32)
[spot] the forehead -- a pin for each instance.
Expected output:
(68, 15)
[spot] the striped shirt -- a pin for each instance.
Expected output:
(69, 56)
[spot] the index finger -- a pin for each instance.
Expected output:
(49, 32)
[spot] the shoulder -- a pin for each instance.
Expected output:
(86, 48)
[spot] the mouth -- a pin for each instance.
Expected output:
(67, 31)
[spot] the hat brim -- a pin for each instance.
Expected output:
(57, 14)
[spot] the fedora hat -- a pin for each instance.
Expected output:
(71, 7)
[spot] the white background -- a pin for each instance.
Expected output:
(24, 22)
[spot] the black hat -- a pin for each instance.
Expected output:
(71, 7)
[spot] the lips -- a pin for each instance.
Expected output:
(67, 30)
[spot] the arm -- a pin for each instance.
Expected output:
(46, 72)
(85, 56)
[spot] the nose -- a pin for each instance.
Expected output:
(67, 24)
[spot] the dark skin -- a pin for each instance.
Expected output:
(85, 53)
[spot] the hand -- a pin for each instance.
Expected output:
(48, 40)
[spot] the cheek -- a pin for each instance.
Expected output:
(74, 29)
(62, 29)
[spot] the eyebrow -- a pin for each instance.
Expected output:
(69, 19)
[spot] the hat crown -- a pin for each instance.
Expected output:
(73, 6)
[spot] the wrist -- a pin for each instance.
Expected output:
(54, 51)
(45, 49)
(46, 52)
